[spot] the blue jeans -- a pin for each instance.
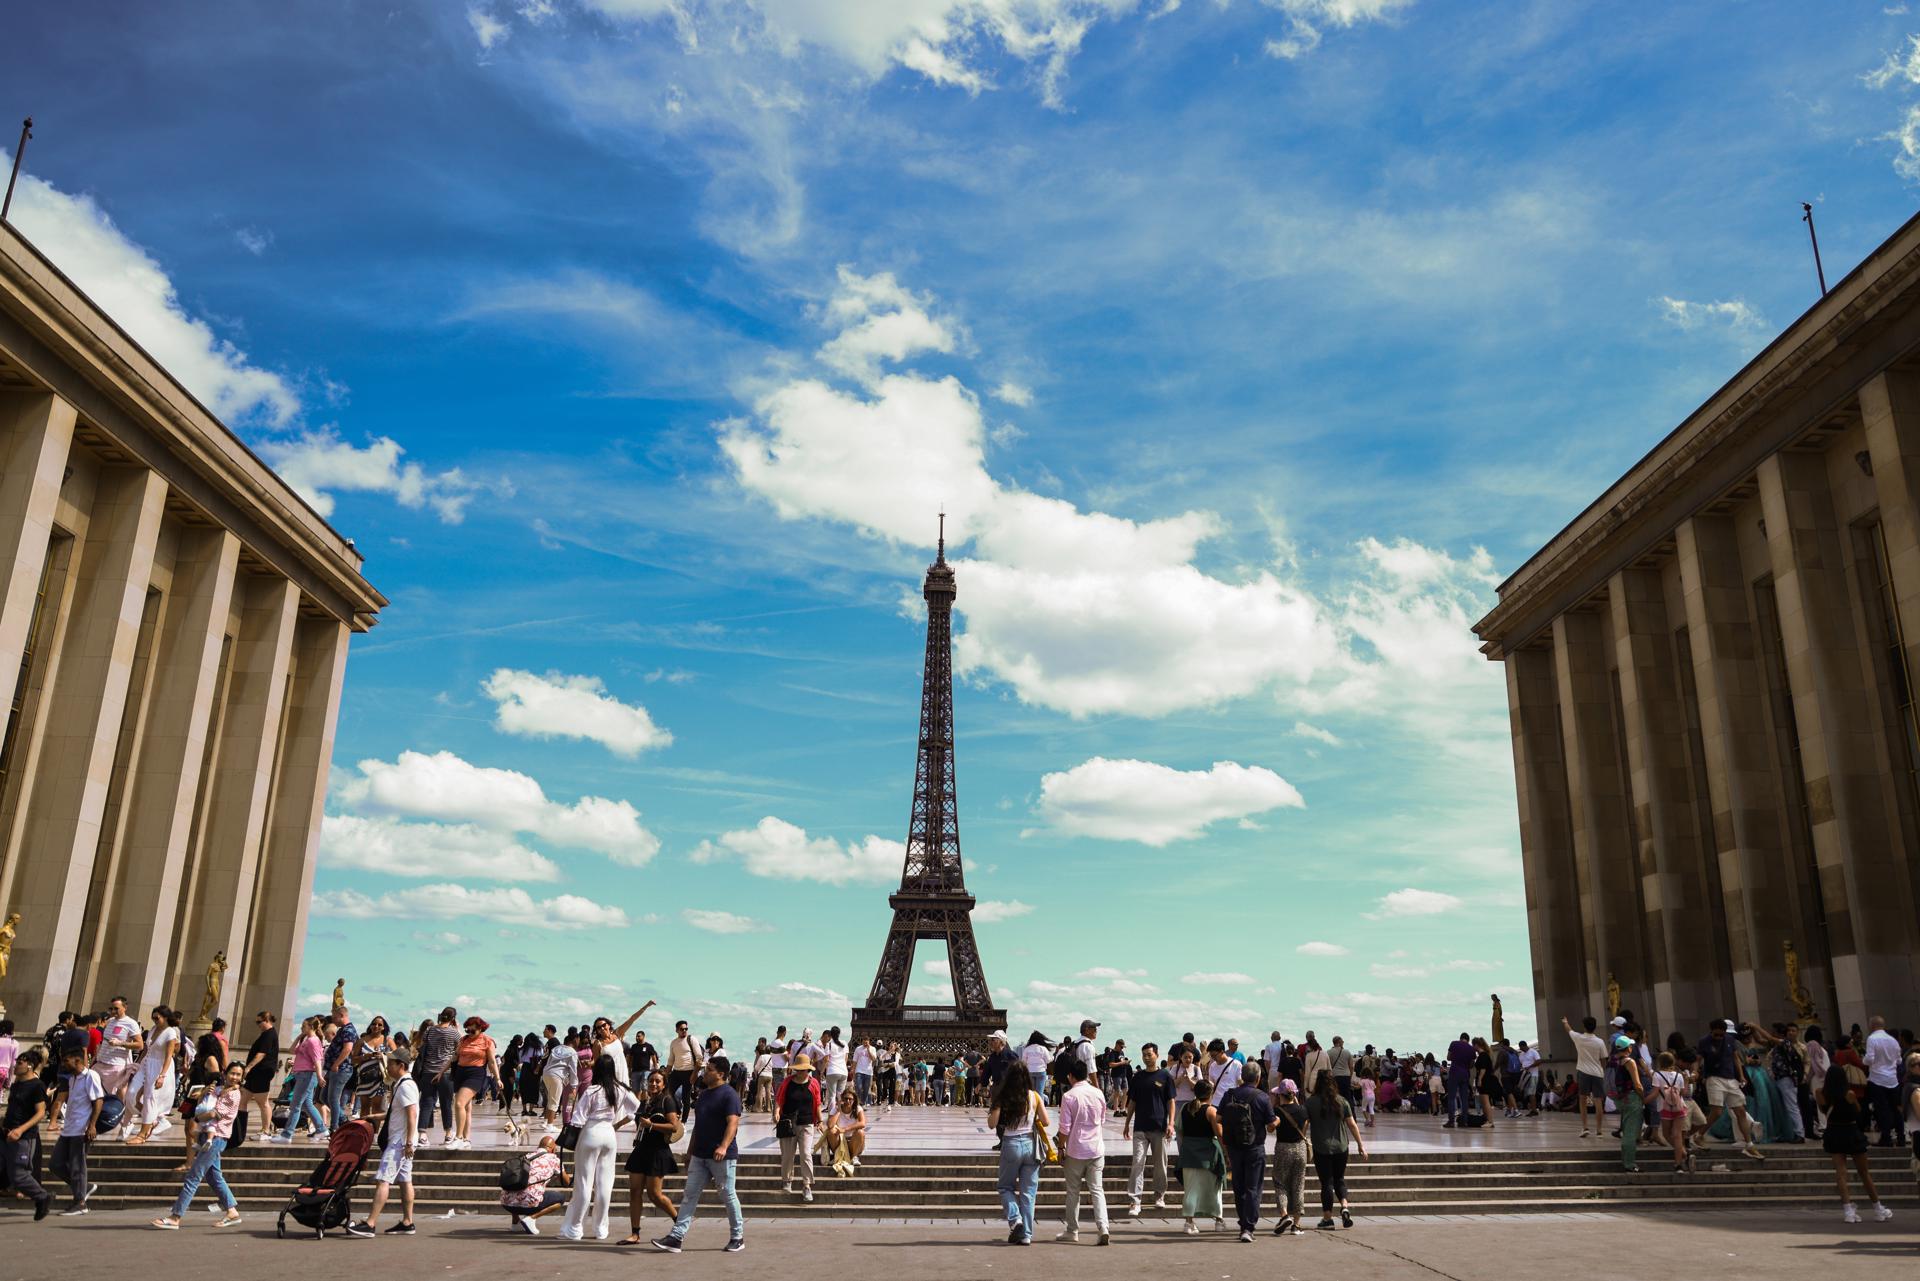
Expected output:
(863, 1088)
(1019, 1181)
(1459, 1097)
(206, 1165)
(702, 1172)
(339, 1093)
(303, 1099)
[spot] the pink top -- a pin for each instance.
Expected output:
(306, 1053)
(1082, 1112)
(226, 1106)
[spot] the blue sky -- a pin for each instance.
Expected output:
(1248, 344)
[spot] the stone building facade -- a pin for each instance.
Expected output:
(173, 634)
(1710, 677)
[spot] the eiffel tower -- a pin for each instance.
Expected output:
(933, 902)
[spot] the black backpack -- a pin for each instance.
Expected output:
(1058, 1068)
(1236, 1124)
(516, 1172)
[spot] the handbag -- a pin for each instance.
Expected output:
(569, 1137)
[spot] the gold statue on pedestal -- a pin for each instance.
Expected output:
(1801, 998)
(1613, 996)
(339, 994)
(1499, 1023)
(7, 931)
(211, 1001)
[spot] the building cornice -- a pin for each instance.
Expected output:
(1814, 366)
(61, 338)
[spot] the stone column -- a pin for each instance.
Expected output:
(1603, 852)
(138, 937)
(1682, 922)
(221, 894)
(1749, 821)
(1890, 410)
(36, 430)
(1561, 978)
(1862, 874)
(279, 935)
(68, 789)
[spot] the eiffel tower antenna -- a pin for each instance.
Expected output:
(932, 903)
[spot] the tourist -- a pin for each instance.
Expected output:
(1149, 1108)
(1081, 1047)
(120, 1040)
(1083, 1150)
(1329, 1125)
(1222, 1072)
(1846, 1140)
(214, 1114)
(1486, 1079)
(396, 1159)
(1369, 1095)
(1589, 1053)
(1290, 1149)
(1530, 1078)
(889, 1078)
(832, 1062)
(684, 1057)
(611, 1041)
(1340, 1060)
(651, 1160)
(369, 1066)
(557, 1076)
(1461, 1059)
(337, 1069)
(261, 1068)
(79, 1105)
(845, 1137)
(1882, 1056)
(863, 1065)
(1628, 1091)
(475, 1068)
(1246, 1118)
(1786, 1065)
(204, 1075)
(537, 1198)
(438, 1043)
(1000, 1057)
(1313, 1059)
(1668, 1095)
(1037, 1056)
(307, 1052)
(599, 1112)
(150, 1093)
(712, 1155)
(1722, 1069)
(1018, 1116)
(1203, 1165)
(20, 1137)
(796, 1111)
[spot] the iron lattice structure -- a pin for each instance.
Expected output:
(933, 903)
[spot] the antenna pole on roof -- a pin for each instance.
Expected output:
(26, 132)
(1806, 216)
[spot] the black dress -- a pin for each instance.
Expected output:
(651, 1153)
(260, 1080)
(1846, 1132)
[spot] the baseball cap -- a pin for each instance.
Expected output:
(997, 1036)
(1731, 1026)
(1623, 1043)
(1618, 1021)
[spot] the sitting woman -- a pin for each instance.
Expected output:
(846, 1133)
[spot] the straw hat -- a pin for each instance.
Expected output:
(801, 1063)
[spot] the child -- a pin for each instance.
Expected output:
(1369, 1093)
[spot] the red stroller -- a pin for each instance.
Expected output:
(325, 1200)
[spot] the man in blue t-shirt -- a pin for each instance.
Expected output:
(712, 1154)
(1149, 1124)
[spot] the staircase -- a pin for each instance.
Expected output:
(963, 1186)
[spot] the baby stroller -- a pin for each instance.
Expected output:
(325, 1200)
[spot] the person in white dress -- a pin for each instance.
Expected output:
(150, 1095)
(602, 1108)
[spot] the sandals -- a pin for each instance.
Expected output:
(167, 1225)
(228, 1219)
(635, 1239)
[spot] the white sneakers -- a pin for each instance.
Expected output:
(1848, 1214)
(1881, 1213)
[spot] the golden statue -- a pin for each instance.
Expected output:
(339, 994)
(211, 1001)
(7, 931)
(1613, 996)
(1801, 998)
(1499, 1023)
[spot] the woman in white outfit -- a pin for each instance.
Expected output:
(151, 1094)
(603, 1107)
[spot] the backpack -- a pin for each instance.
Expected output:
(1236, 1125)
(1058, 1068)
(1673, 1097)
(516, 1172)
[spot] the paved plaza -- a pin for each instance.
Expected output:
(1789, 1245)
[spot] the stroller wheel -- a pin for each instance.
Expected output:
(280, 1227)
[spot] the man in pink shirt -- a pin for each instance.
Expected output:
(1083, 1151)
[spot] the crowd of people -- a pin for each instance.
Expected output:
(1201, 1113)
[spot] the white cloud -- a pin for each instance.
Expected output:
(1318, 948)
(1735, 313)
(1384, 971)
(1108, 972)
(880, 322)
(253, 240)
(779, 850)
(513, 907)
(1907, 135)
(1129, 800)
(446, 788)
(1901, 65)
(318, 462)
(487, 29)
(1306, 19)
(442, 942)
(557, 706)
(132, 288)
(1303, 730)
(393, 848)
(939, 968)
(1411, 902)
(715, 922)
(1219, 978)
(991, 911)
(1013, 394)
